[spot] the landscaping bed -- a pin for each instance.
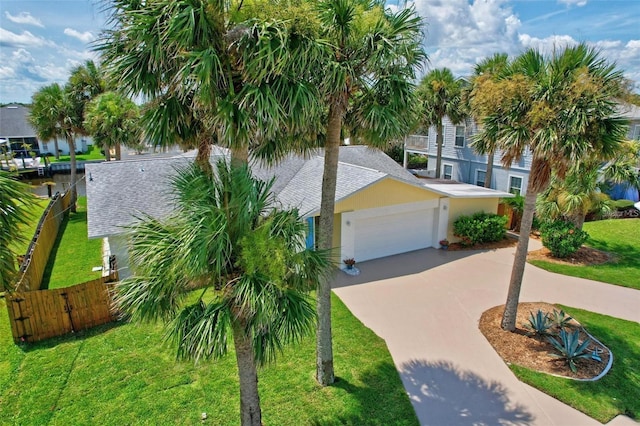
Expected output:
(534, 352)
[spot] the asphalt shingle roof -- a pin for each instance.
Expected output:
(14, 123)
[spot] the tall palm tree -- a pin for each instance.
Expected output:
(212, 72)
(113, 120)
(54, 111)
(366, 84)
(440, 95)
(489, 68)
(216, 241)
(15, 198)
(44, 114)
(561, 109)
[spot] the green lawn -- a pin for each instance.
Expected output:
(616, 393)
(115, 375)
(93, 153)
(73, 254)
(619, 237)
(35, 211)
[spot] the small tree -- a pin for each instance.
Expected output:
(216, 240)
(15, 198)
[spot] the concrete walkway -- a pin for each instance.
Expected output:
(426, 305)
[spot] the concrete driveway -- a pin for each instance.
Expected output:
(426, 305)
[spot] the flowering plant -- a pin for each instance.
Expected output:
(444, 242)
(349, 261)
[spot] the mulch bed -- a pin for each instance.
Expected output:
(503, 243)
(532, 352)
(585, 256)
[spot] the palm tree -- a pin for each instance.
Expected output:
(366, 84)
(212, 72)
(561, 109)
(579, 193)
(216, 242)
(15, 198)
(440, 95)
(113, 120)
(44, 114)
(55, 112)
(489, 68)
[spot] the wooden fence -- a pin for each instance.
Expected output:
(41, 314)
(35, 261)
(505, 210)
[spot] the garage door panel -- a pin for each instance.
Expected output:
(392, 234)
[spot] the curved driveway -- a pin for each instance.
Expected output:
(426, 305)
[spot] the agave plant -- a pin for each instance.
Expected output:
(539, 324)
(570, 348)
(560, 319)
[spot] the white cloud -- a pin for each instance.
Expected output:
(84, 37)
(7, 72)
(24, 18)
(547, 45)
(26, 39)
(578, 3)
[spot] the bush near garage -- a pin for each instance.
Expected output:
(562, 238)
(480, 227)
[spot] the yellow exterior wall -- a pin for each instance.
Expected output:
(384, 193)
(468, 206)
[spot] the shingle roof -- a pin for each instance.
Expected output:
(118, 191)
(13, 122)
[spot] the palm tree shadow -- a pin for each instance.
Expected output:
(442, 394)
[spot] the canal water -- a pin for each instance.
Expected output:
(61, 182)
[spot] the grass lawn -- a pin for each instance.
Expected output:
(123, 374)
(35, 211)
(620, 237)
(73, 254)
(93, 153)
(616, 393)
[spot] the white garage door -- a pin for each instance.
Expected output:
(392, 233)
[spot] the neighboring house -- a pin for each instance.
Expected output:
(461, 163)
(381, 209)
(15, 127)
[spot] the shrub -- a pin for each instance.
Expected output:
(396, 151)
(417, 161)
(480, 227)
(562, 238)
(570, 348)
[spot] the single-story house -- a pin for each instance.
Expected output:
(381, 209)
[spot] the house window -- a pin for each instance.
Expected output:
(481, 176)
(515, 185)
(45, 147)
(636, 132)
(459, 142)
(447, 171)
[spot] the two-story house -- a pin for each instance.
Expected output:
(462, 163)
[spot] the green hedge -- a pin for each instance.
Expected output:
(480, 227)
(562, 238)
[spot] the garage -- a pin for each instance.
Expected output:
(379, 232)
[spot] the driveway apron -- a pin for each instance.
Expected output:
(426, 305)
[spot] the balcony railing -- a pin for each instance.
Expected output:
(417, 143)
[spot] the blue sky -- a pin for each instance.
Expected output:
(41, 40)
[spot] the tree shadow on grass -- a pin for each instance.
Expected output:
(442, 394)
(379, 400)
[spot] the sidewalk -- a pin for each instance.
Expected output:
(426, 305)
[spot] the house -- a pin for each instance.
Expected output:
(15, 127)
(381, 209)
(461, 163)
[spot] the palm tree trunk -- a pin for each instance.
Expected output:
(107, 152)
(55, 146)
(203, 156)
(72, 157)
(250, 414)
(439, 141)
(118, 151)
(519, 261)
(489, 173)
(324, 346)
